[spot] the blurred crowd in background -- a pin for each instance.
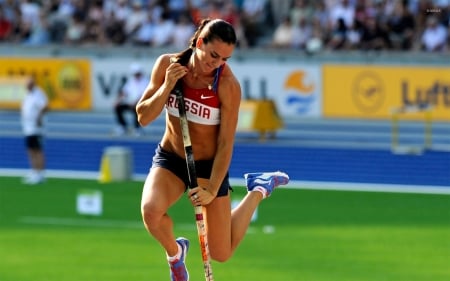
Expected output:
(309, 25)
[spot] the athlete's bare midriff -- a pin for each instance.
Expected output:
(203, 139)
(203, 127)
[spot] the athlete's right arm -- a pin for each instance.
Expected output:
(163, 79)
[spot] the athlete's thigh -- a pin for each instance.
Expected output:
(161, 190)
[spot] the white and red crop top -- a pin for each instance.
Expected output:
(202, 105)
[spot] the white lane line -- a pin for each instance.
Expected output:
(102, 223)
(293, 184)
(91, 222)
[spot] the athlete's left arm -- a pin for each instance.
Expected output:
(230, 98)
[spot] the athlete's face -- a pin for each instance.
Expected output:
(213, 54)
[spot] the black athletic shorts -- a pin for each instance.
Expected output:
(177, 165)
(33, 142)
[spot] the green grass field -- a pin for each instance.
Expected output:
(318, 236)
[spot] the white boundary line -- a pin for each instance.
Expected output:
(91, 222)
(100, 223)
(88, 221)
(372, 187)
(294, 184)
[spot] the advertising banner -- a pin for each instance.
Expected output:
(67, 82)
(12, 91)
(357, 91)
(108, 76)
(295, 89)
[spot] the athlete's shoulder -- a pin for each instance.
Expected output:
(164, 59)
(229, 84)
(228, 76)
(161, 64)
(226, 70)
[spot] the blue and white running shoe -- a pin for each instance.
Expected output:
(178, 271)
(265, 182)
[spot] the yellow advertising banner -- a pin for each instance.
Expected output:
(357, 91)
(67, 82)
(12, 91)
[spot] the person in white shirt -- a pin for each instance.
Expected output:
(183, 31)
(34, 106)
(163, 31)
(283, 34)
(342, 10)
(434, 37)
(128, 97)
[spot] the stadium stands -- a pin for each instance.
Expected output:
(376, 24)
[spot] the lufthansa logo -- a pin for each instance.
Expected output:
(368, 92)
